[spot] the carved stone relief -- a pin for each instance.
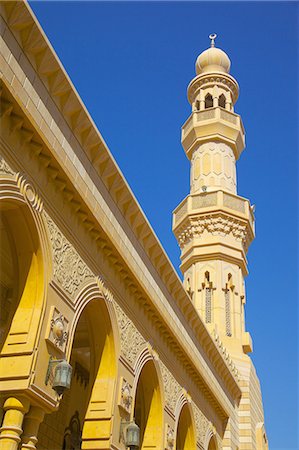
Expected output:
(169, 445)
(172, 388)
(125, 397)
(29, 193)
(216, 225)
(70, 271)
(131, 340)
(5, 168)
(57, 333)
(202, 424)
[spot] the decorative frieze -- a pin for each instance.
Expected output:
(131, 341)
(215, 224)
(69, 270)
(172, 389)
(202, 425)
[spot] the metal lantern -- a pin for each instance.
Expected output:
(62, 377)
(133, 436)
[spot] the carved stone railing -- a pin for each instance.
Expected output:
(211, 201)
(209, 114)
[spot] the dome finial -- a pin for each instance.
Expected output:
(213, 37)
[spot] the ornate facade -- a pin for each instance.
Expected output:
(85, 281)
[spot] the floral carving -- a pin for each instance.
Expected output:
(125, 396)
(57, 333)
(70, 271)
(172, 388)
(131, 340)
(202, 424)
(5, 168)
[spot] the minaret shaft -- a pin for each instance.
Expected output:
(213, 225)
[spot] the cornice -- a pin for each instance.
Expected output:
(205, 80)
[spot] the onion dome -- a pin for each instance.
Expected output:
(212, 60)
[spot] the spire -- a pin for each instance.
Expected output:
(213, 37)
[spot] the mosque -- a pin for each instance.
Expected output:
(101, 344)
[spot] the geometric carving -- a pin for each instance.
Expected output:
(203, 201)
(125, 397)
(70, 271)
(234, 203)
(57, 330)
(5, 168)
(131, 341)
(172, 388)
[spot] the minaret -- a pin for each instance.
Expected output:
(213, 225)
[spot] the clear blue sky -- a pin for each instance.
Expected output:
(131, 64)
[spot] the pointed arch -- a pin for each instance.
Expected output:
(210, 440)
(148, 400)
(26, 272)
(185, 425)
(208, 101)
(93, 353)
(222, 101)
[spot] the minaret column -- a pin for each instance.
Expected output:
(213, 225)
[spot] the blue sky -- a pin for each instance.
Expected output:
(131, 64)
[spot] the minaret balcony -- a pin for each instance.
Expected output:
(214, 225)
(213, 124)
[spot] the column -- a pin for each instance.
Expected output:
(11, 430)
(31, 425)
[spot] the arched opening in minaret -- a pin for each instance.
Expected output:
(208, 101)
(222, 101)
(197, 105)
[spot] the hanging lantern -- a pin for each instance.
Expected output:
(133, 436)
(62, 377)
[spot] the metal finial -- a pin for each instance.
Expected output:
(213, 37)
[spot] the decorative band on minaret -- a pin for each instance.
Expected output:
(213, 225)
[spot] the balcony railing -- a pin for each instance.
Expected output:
(211, 201)
(216, 113)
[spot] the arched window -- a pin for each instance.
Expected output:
(208, 101)
(227, 297)
(208, 298)
(222, 101)
(197, 105)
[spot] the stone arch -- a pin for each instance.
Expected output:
(208, 100)
(148, 399)
(210, 440)
(185, 424)
(27, 253)
(92, 353)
